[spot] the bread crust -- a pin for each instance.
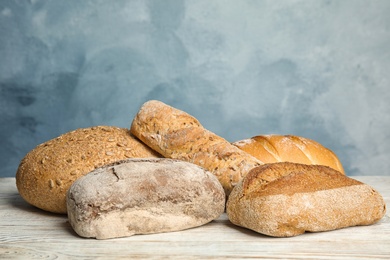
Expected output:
(46, 172)
(287, 199)
(178, 135)
(289, 148)
(143, 196)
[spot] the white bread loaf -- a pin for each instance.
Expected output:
(289, 148)
(143, 196)
(178, 135)
(287, 199)
(46, 172)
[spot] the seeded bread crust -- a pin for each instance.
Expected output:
(46, 172)
(287, 199)
(289, 148)
(178, 135)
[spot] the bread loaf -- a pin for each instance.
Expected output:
(46, 172)
(286, 199)
(143, 196)
(178, 135)
(289, 148)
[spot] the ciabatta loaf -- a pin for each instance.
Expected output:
(286, 199)
(289, 148)
(46, 172)
(178, 135)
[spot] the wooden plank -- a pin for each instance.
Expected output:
(27, 232)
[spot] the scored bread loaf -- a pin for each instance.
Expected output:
(178, 135)
(286, 199)
(46, 172)
(289, 148)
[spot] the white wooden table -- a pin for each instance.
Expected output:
(29, 233)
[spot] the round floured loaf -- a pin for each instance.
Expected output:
(143, 196)
(286, 199)
(46, 172)
(289, 148)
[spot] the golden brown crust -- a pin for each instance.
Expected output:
(46, 172)
(290, 178)
(178, 135)
(286, 199)
(289, 148)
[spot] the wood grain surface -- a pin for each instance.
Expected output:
(29, 233)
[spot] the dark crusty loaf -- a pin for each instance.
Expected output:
(178, 135)
(46, 172)
(286, 199)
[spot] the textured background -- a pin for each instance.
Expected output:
(318, 69)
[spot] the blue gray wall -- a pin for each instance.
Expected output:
(318, 69)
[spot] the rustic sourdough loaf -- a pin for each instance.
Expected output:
(178, 135)
(289, 148)
(286, 199)
(46, 172)
(143, 196)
